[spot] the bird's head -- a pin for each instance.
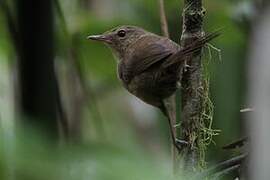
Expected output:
(120, 38)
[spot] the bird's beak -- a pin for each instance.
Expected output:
(102, 38)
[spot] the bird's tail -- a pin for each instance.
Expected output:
(196, 46)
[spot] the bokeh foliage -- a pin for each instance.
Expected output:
(135, 141)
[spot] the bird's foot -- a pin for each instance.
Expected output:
(180, 144)
(178, 85)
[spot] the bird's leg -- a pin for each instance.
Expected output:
(172, 132)
(176, 142)
(167, 110)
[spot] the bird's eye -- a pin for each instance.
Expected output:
(121, 33)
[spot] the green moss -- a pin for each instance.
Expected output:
(207, 132)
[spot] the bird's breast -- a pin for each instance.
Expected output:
(151, 87)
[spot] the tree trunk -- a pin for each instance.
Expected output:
(36, 76)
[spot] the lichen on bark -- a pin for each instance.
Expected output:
(192, 84)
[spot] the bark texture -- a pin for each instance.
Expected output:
(192, 84)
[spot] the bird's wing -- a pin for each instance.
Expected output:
(154, 51)
(195, 46)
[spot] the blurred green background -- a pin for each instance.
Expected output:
(116, 135)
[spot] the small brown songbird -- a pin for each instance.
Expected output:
(149, 66)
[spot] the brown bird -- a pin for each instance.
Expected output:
(149, 66)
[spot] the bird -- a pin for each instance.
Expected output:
(149, 66)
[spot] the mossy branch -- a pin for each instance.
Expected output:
(192, 85)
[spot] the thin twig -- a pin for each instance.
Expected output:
(246, 110)
(223, 166)
(61, 16)
(163, 19)
(12, 28)
(225, 172)
(236, 144)
(63, 119)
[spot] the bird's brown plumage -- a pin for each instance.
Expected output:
(141, 69)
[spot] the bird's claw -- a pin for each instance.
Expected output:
(179, 144)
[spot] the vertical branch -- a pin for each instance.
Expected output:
(192, 83)
(171, 105)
